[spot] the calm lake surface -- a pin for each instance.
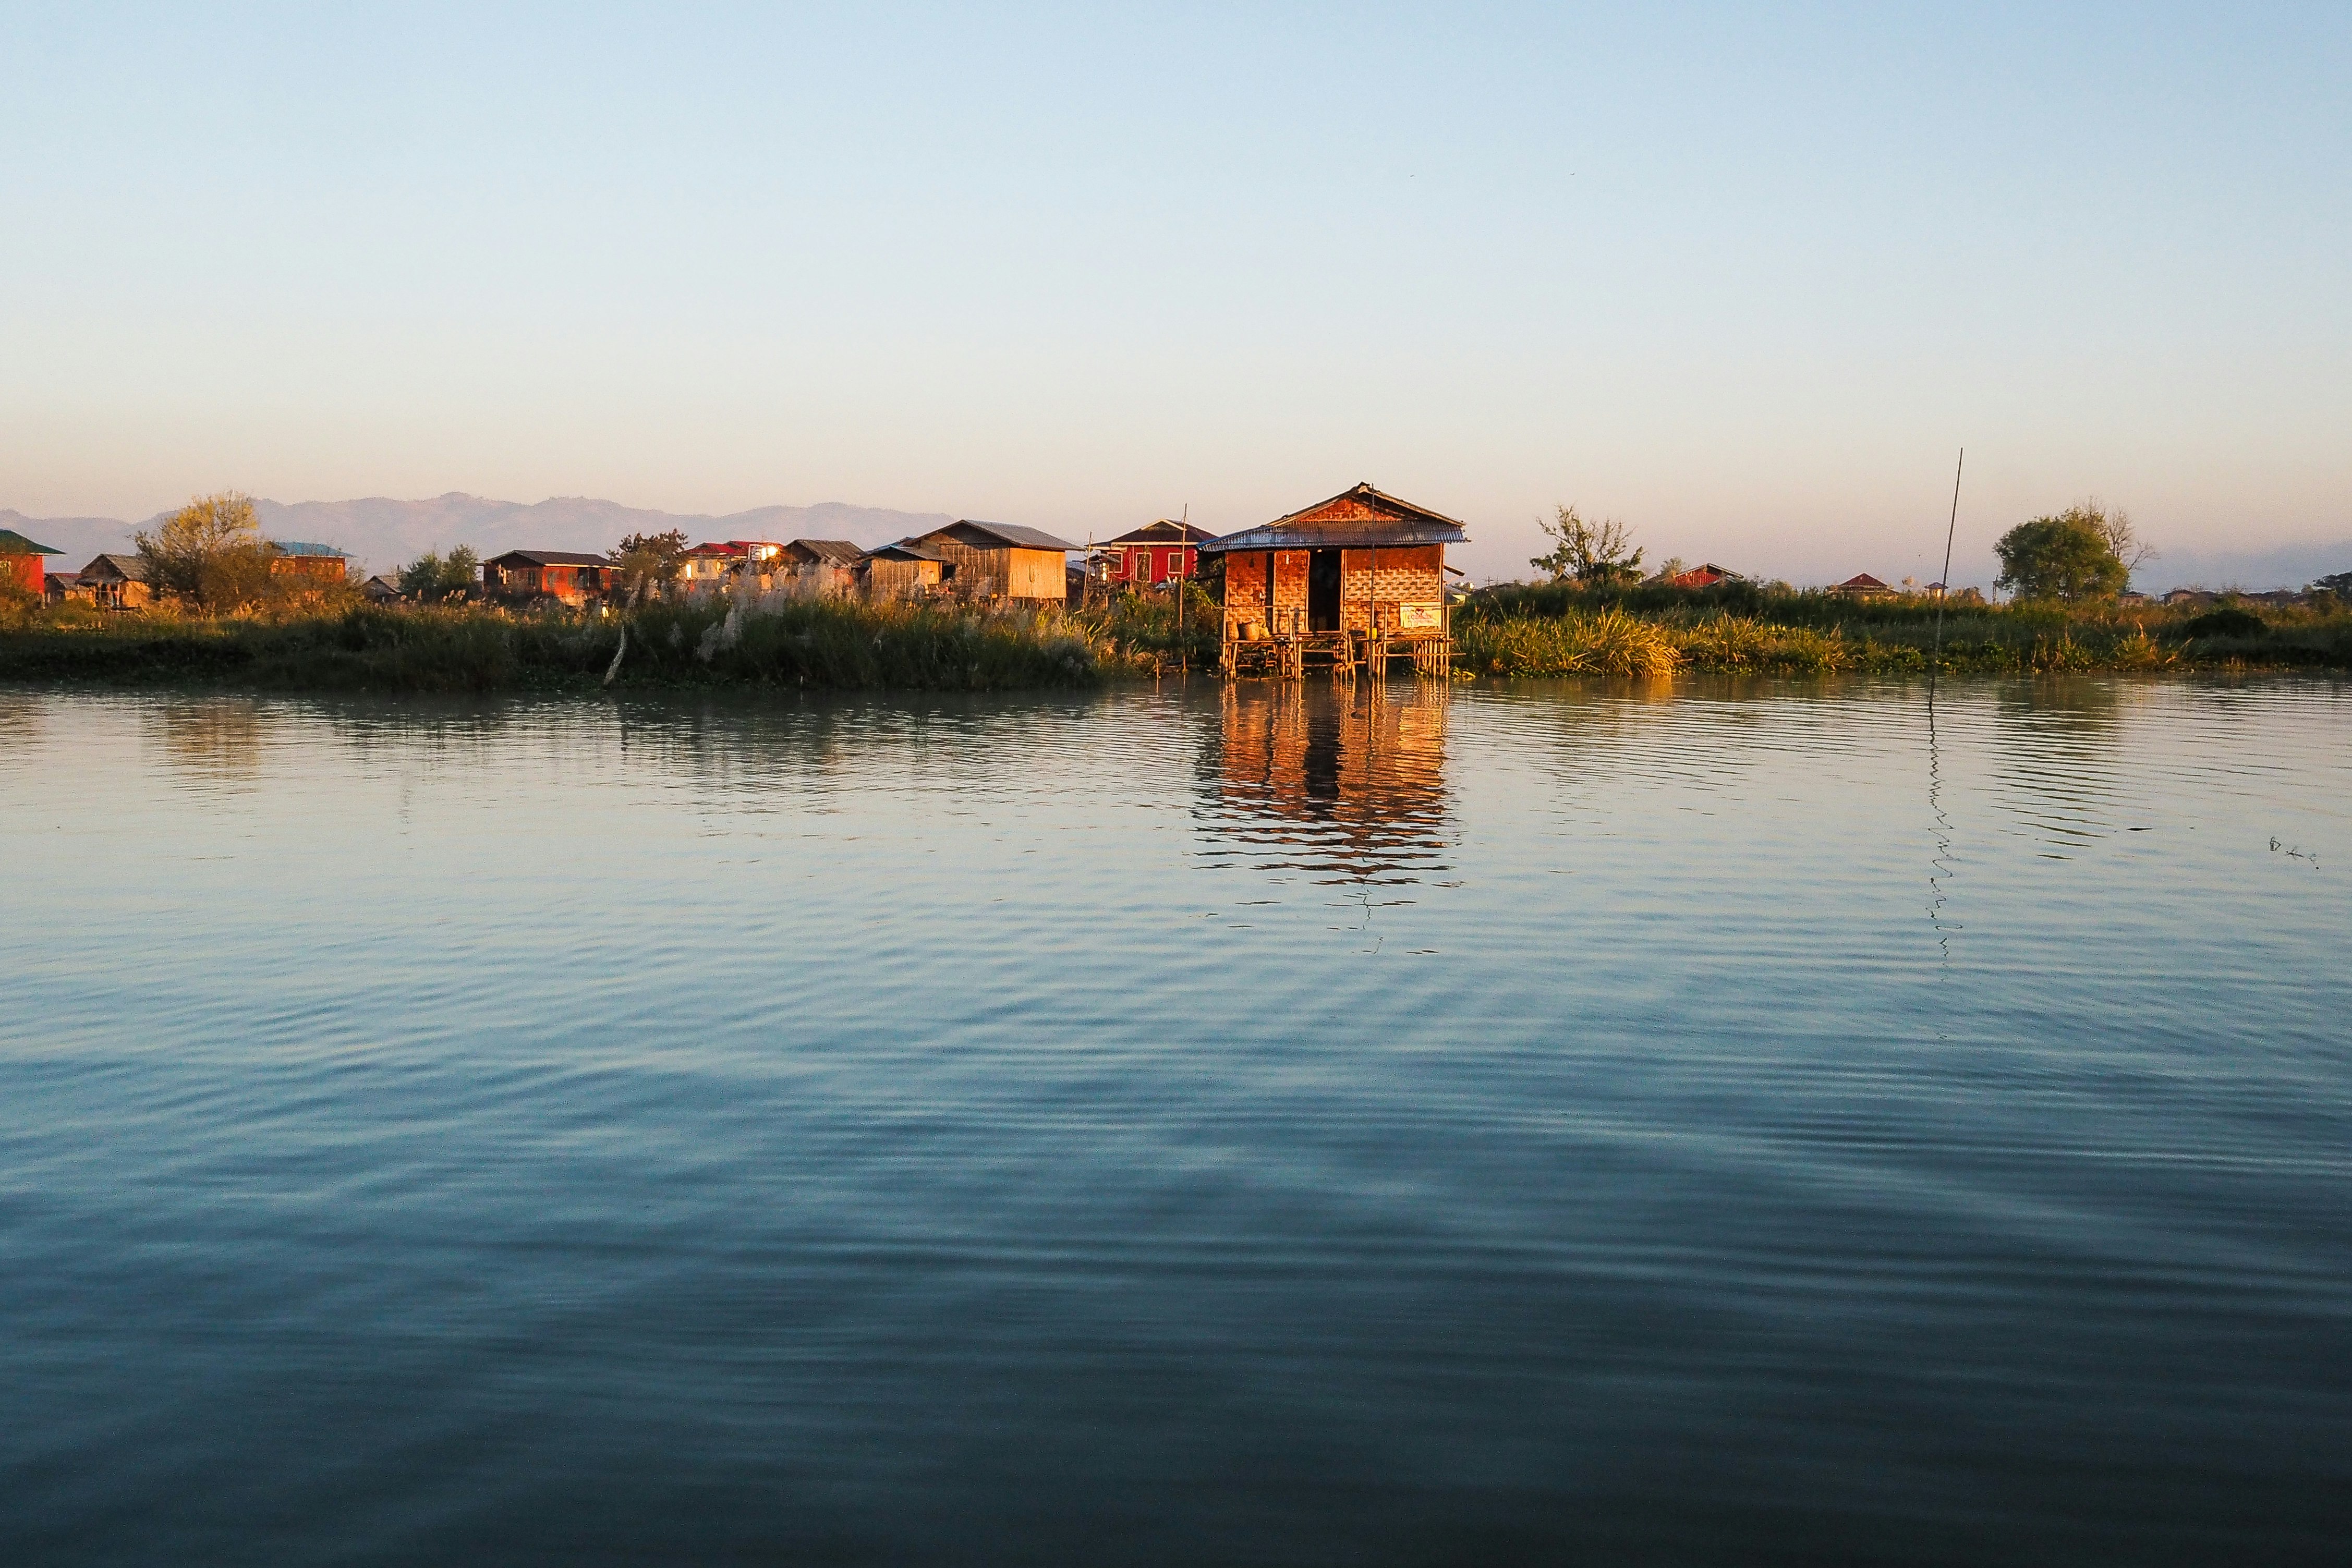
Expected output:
(1734, 1124)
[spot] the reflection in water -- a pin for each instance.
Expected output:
(1940, 865)
(21, 719)
(217, 738)
(1347, 783)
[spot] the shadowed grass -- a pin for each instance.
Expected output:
(811, 643)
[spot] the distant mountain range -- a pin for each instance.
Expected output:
(383, 533)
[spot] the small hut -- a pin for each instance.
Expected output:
(381, 589)
(1001, 560)
(1157, 553)
(1349, 582)
(902, 570)
(21, 562)
(1705, 575)
(295, 558)
(117, 582)
(567, 577)
(56, 587)
(1862, 585)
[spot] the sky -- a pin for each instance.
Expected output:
(1745, 277)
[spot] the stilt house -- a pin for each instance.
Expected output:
(1001, 560)
(568, 577)
(117, 582)
(1354, 579)
(1156, 553)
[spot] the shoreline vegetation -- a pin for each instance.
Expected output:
(775, 640)
(216, 603)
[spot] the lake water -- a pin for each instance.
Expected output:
(1723, 1123)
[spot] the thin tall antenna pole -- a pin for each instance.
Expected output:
(1183, 534)
(1949, 529)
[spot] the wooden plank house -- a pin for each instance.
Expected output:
(568, 577)
(1001, 560)
(1349, 583)
(296, 558)
(117, 582)
(905, 569)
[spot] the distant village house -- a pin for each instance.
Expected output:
(1000, 562)
(1862, 585)
(902, 570)
(117, 582)
(295, 558)
(22, 565)
(1152, 555)
(567, 577)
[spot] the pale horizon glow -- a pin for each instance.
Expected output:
(1744, 277)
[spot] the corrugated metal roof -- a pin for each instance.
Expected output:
(549, 557)
(298, 547)
(1012, 534)
(14, 543)
(1164, 531)
(902, 550)
(1410, 525)
(832, 552)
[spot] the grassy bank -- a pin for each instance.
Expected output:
(1507, 631)
(826, 643)
(1555, 631)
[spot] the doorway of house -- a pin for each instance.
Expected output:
(1323, 591)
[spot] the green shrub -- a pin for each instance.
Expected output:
(2227, 622)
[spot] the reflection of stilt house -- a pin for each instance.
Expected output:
(1350, 583)
(1336, 780)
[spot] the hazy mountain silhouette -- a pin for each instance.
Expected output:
(383, 533)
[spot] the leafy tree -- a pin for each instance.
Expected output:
(647, 561)
(1593, 554)
(209, 552)
(2070, 558)
(432, 578)
(2338, 583)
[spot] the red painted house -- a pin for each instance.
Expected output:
(21, 564)
(1152, 555)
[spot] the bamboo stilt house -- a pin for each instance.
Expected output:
(1353, 581)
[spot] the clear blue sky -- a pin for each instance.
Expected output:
(1743, 276)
